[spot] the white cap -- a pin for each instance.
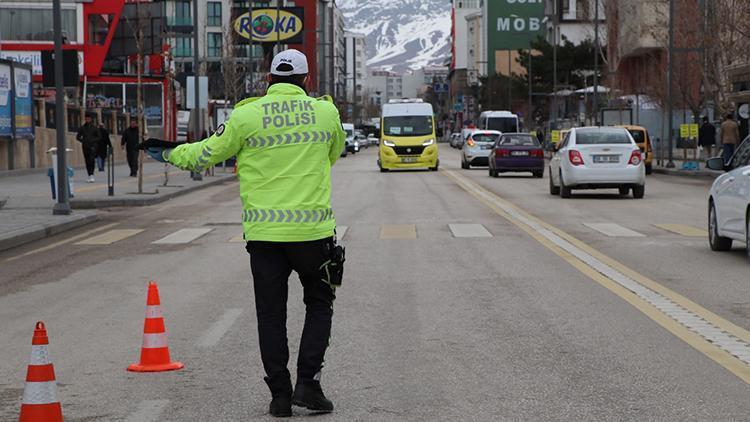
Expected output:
(289, 62)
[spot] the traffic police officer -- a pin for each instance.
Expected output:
(285, 143)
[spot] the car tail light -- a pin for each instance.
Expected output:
(537, 153)
(502, 152)
(575, 157)
(635, 158)
(470, 143)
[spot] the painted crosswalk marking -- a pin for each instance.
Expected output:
(613, 230)
(469, 230)
(219, 328)
(398, 231)
(109, 237)
(182, 236)
(683, 229)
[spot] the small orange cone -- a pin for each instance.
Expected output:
(154, 352)
(40, 403)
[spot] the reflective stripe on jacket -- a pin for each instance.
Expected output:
(285, 143)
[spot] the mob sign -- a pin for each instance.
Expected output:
(512, 25)
(271, 25)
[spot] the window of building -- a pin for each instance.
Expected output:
(27, 24)
(182, 12)
(214, 44)
(184, 47)
(214, 13)
(99, 28)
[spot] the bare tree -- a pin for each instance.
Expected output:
(136, 26)
(230, 68)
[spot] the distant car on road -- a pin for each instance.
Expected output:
(351, 144)
(516, 152)
(453, 140)
(372, 139)
(476, 150)
(597, 158)
(361, 140)
(643, 140)
(729, 201)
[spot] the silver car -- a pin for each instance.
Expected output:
(476, 150)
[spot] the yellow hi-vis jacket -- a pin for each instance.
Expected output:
(285, 143)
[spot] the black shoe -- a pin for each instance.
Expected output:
(281, 406)
(308, 394)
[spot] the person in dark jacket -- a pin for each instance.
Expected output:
(707, 137)
(102, 148)
(130, 141)
(88, 135)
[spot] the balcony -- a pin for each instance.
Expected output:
(179, 24)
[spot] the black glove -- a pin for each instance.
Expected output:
(158, 143)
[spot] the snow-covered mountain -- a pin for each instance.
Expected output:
(401, 34)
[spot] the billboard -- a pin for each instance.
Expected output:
(6, 129)
(23, 102)
(512, 25)
(284, 25)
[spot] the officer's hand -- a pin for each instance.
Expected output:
(158, 143)
(158, 153)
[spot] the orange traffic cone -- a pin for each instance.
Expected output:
(154, 352)
(40, 403)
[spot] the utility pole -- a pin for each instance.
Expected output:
(510, 84)
(596, 63)
(528, 117)
(196, 71)
(670, 64)
(554, 66)
(62, 206)
(278, 12)
(250, 53)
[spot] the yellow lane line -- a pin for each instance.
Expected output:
(684, 230)
(398, 231)
(110, 237)
(62, 242)
(237, 239)
(723, 358)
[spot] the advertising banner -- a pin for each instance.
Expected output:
(5, 101)
(23, 102)
(512, 25)
(270, 25)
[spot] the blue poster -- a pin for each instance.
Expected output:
(23, 103)
(5, 91)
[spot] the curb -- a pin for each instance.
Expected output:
(686, 173)
(43, 230)
(144, 201)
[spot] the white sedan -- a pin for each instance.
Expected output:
(597, 158)
(729, 201)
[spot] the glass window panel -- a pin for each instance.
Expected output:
(26, 24)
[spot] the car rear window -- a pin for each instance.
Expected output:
(519, 140)
(638, 136)
(484, 137)
(602, 136)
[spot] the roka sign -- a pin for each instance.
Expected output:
(271, 25)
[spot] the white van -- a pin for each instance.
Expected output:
(504, 121)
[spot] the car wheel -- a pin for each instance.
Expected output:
(434, 168)
(624, 191)
(718, 243)
(565, 191)
(553, 190)
(464, 164)
(539, 174)
(639, 191)
(649, 168)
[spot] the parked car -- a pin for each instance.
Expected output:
(729, 201)
(361, 140)
(351, 144)
(372, 139)
(517, 152)
(643, 140)
(597, 158)
(476, 150)
(453, 140)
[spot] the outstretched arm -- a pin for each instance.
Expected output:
(224, 143)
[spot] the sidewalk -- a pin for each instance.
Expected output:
(679, 171)
(27, 213)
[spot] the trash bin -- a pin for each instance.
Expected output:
(53, 183)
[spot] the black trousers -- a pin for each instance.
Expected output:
(132, 160)
(271, 264)
(89, 155)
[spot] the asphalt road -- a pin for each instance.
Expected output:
(428, 326)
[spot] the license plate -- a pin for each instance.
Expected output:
(606, 159)
(519, 153)
(487, 146)
(409, 159)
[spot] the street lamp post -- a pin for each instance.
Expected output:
(670, 64)
(62, 206)
(196, 71)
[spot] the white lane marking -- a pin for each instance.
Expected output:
(148, 411)
(62, 242)
(214, 334)
(182, 236)
(469, 230)
(341, 232)
(613, 230)
(690, 320)
(110, 237)
(237, 239)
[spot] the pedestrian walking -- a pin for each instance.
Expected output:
(129, 142)
(285, 143)
(102, 149)
(707, 137)
(730, 136)
(88, 135)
